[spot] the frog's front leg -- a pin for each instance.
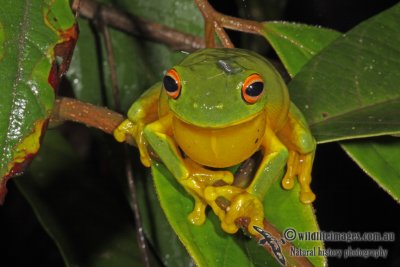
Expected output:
(301, 144)
(142, 112)
(247, 203)
(192, 176)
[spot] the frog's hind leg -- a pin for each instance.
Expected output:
(296, 136)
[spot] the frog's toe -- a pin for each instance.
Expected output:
(119, 134)
(288, 182)
(248, 207)
(211, 193)
(125, 128)
(145, 159)
(240, 204)
(198, 215)
(307, 197)
(291, 170)
(227, 177)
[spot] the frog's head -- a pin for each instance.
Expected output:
(218, 98)
(215, 88)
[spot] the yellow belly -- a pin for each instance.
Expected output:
(220, 147)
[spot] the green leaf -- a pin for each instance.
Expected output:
(161, 236)
(284, 210)
(36, 40)
(207, 244)
(351, 88)
(327, 83)
(379, 158)
(295, 43)
(85, 214)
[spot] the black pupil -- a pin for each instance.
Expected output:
(255, 89)
(170, 84)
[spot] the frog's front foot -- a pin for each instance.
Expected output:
(128, 129)
(299, 165)
(242, 205)
(199, 178)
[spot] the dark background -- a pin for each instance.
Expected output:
(347, 199)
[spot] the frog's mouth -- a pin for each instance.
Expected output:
(221, 146)
(219, 126)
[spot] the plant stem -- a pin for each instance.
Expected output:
(141, 239)
(139, 27)
(68, 109)
(103, 29)
(220, 21)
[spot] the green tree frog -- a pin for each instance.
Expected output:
(215, 110)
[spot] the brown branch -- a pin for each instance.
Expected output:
(223, 36)
(68, 109)
(220, 21)
(209, 34)
(137, 26)
(212, 25)
(232, 23)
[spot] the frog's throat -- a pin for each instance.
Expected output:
(220, 147)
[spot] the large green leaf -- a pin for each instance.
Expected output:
(351, 88)
(207, 244)
(379, 158)
(335, 69)
(296, 43)
(36, 40)
(356, 83)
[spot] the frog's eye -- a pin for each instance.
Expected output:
(172, 83)
(253, 88)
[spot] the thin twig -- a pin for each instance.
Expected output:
(143, 247)
(139, 27)
(223, 36)
(232, 23)
(111, 63)
(141, 239)
(212, 25)
(209, 34)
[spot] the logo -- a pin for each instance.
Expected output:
(274, 244)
